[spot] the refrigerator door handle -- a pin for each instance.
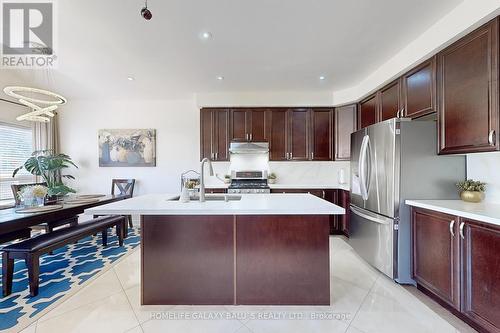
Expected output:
(363, 154)
(368, 217)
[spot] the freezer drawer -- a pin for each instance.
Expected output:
(373, 238)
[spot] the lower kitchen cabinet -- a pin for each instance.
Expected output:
(456, 261)
(481, 274)
(339, 224)
(435, 254)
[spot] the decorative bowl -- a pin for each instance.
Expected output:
(472, 196)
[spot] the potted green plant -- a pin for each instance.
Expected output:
(271, 179)
(471, 190)
(49, 166)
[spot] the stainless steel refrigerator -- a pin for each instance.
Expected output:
(392, 161)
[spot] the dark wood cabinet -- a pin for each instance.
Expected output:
(435, 254)
(456, 262)
(248, 124)
(480, 246)
(368, 112)
(298, 139)
(239, 125)
(339, 224)
(214, 136)
(467, 84)
(322, 134)
(419, 90)
(345, 124)
(390, 101)
(277, 127)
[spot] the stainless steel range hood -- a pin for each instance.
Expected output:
(249, 147)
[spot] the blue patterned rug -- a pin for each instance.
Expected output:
(62, 274)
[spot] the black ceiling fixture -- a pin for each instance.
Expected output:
(145, 12)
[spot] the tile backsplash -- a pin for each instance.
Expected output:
(486, 167)
(289, 173)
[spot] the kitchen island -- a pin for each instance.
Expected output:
(266, 249)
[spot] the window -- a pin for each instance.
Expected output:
(15, 147)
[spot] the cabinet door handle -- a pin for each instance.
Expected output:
(213, 156)
(251, 136)
(312, 155)
(216, 156)
(462, 230)
(323, 193)
(492, 138)
(397, 114)
(291, 155)
(452, 224)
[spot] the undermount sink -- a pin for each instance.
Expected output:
(208, 197)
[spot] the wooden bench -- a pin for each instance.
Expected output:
(30, 250)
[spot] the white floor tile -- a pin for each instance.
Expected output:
(113, 314)
(143, 312)
(387, 314)
(137, 329)
(296, 326)
(191, 326)
(348, 266)
(30, 329)
(102, 287)
(129, 270)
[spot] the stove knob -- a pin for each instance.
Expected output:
(237, 191)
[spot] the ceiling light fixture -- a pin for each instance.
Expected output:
(130, 78)
(206, 35)
(322, 78)
(220, 78)
(38, 113)
(145, 12)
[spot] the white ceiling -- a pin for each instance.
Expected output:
(257, 45)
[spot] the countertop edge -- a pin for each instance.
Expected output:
(452, 211)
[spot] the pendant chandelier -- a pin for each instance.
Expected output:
(41, 109)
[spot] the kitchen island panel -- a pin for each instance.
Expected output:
(282, 260)
(187, 259)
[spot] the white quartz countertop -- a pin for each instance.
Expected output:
(250, 204)
(483, 212)
(294, 186)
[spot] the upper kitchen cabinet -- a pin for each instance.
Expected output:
(368, 109)
(322, 134)
(214, 136)
(248, 125)
(298, 137)
(277, 127)
(390, 101)
(345, 125)
(419, 90)
(467, 85)
(238, 126)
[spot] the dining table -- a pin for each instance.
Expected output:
(12, 221)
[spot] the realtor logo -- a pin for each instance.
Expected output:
(28, 34)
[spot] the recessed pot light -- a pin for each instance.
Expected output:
(220, 78)
(130, 78)
(206, 35)
(322, 78)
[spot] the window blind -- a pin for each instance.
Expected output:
(16, 146)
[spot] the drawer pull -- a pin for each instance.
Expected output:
(452, 224)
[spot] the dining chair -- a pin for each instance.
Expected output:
(48, 226)
(125, 187)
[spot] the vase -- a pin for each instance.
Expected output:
(39, 201)
(472, 196)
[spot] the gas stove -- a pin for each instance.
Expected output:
(251, 182)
